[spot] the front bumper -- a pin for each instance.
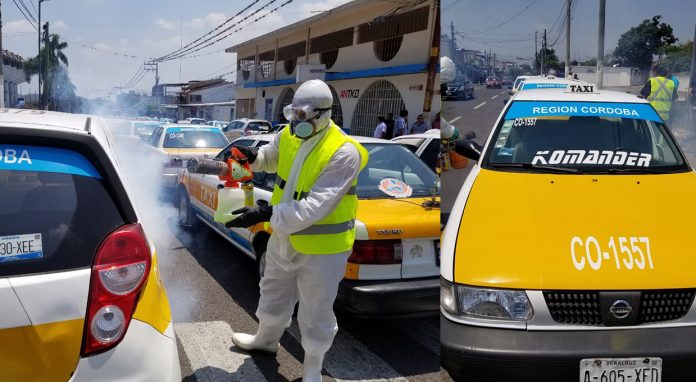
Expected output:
(471, 353)
(144, 355)
(389, 299)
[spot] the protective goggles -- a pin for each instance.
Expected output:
(302, 113)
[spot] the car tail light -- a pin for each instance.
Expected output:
(376, 252)
(119, 272)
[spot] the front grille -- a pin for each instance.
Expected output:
(659, 306)
(583, 307)
(575, 308)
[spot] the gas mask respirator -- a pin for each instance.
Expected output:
(303, 120)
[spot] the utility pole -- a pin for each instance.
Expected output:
(536, 53)
(543, 54)
(600, 44)
(453, 43)
(567, 60)
(45, 68)
(153, 66)
(2, 64)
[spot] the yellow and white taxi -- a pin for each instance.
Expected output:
(569, 252)
(80, 292)
(176, 144)
(395, 264)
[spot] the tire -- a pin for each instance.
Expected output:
(186, 218)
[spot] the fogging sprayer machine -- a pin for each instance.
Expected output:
(237, 191)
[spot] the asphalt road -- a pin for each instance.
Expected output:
(477, 115)
(213, 291)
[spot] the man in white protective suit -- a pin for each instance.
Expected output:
(312, 215)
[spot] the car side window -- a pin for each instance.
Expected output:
(244, 142)
(156, 137)
(429, 155)
(253, 126)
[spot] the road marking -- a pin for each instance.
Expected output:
(455, 119)
(362, 364)
(503, 92)
(207, 346)
(495, 96)
(476, 107)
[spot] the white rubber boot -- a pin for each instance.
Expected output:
(312, 368)
(265, 340)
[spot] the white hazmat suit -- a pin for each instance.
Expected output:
(290, 276)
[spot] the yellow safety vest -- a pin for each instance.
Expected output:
(336, 232)
(661, 91)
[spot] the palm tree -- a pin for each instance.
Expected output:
(52, 60)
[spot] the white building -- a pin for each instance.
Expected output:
(13, 75)
(210, 100)
(377, 56)
(618, 76)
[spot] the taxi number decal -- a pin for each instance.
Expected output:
(176, 135)
(525, 121)
(627, 252)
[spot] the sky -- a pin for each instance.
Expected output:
(151, 28)
(491, 24)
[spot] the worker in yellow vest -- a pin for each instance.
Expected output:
(660, 92)
(312, 215)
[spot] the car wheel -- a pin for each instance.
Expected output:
(186, 218)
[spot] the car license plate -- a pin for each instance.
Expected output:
(621, 370)
(20, 247)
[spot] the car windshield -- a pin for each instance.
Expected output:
(397, 162)
(180, 137)
(585, 137)
(518, 82)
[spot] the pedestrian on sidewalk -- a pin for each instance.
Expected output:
(418, 127)
(401, 125)
(390, 126)
(660, 92)
(312, 214)
(381, 129)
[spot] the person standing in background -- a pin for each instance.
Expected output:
(401, 125)
(381, 129)
(435, 124)
(419, 126)
(389, 121)
(660, 92)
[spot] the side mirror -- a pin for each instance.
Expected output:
(468, 149)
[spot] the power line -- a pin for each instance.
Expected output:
(238, 29)
(495, 11)
(28, 11)
(210, 32)
(25, 16)
(511, 18)
(109, 51)
(33, 6)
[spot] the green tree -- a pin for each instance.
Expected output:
(56, 81)
(678, 57)
(550, 62)
(637, 47)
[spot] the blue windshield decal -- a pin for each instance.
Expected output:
(527, 86)
(45, 159)
(583, 109)
(186, 129)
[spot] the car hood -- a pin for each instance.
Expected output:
(398, 218)
(518, 230)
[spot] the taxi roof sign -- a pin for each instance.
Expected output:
(581, 88)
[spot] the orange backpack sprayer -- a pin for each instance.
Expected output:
(237, 191)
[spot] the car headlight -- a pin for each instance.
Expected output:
(448, 300)
(499, 304)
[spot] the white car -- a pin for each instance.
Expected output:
(425, 145)
(80, 291)
(394, 269)
(176, 144)
(242, 127)
(218, 124)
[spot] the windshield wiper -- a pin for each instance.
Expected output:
(536, 167)
(631, 170)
